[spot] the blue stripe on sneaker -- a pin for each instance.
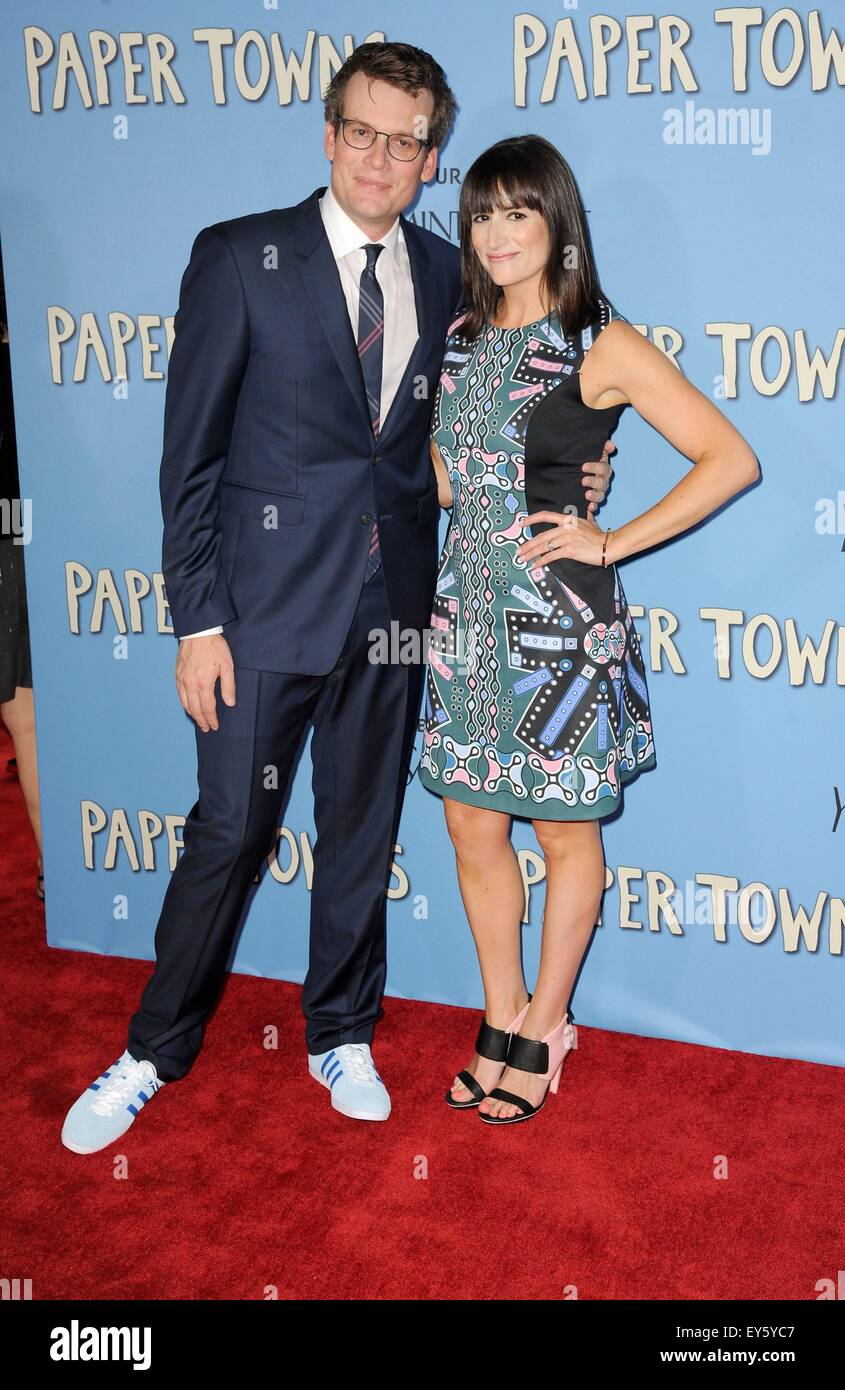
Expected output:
(132, 1110)
(144, 1097)
(334, 1068)
(336, 1076)
(326, 1061)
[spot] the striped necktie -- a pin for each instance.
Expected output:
(370, 352)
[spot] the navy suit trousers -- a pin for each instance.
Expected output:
(364, 718)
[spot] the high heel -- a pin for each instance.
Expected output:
(492, 1043)
(39, 879)
(545, 1058)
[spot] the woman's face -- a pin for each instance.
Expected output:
(511, 243)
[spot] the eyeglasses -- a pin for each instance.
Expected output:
(360, 136)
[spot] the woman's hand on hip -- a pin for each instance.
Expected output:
(569, 537)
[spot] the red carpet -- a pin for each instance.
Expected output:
(610, 1189)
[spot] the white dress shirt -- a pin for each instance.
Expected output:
(393, 272)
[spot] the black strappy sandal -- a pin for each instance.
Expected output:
(492, 1043)
(530, 1054)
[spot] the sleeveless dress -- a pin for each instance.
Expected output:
(536, 697)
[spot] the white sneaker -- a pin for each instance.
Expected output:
(106, 1110)
(349, 1073)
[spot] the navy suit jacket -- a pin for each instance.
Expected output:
(270, 474)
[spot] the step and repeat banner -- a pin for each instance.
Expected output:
(707, 145)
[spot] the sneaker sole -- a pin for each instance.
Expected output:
(77, 1149)
(350, 1114)
(74, 1148)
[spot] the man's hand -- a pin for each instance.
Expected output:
(200, 662)
(596, 478)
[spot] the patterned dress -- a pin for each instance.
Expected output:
(536, 696)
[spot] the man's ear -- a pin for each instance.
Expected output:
(329, 138)
(429, 165)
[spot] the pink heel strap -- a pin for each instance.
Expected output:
(561, 1041)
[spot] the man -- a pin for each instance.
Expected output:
(300, 513)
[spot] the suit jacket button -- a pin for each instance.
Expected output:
(367, 518)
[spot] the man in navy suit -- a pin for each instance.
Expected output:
(300, 514)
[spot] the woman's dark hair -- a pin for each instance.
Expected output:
(403, 66)
(527, 171)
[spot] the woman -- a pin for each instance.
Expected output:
(537, 703)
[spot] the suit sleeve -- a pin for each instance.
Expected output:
(207, 364)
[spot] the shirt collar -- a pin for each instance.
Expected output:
(345, 235)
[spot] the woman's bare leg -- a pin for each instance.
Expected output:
(574, 885)
(494, 899)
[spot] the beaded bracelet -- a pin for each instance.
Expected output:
(604, 548)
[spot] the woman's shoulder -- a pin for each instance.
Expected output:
(602, 365)
(604, 313)
(594, 318)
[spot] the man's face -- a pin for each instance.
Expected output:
(370, 185)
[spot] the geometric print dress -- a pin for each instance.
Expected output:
(536, 698)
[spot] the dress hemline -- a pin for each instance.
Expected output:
(509, 805)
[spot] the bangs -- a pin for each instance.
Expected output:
(495, 183)
(526, 171)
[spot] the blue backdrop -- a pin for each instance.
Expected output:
(709, 156)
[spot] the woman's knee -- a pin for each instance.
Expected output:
(474, 829)
(558, 839)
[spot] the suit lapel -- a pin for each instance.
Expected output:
(318, 269)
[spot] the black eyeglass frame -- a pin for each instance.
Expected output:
(343, 121)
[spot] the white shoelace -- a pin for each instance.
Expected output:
(126, 1080)
(356, 1060)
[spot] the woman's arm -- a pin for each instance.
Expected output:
(444, 487)
(622, 366)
